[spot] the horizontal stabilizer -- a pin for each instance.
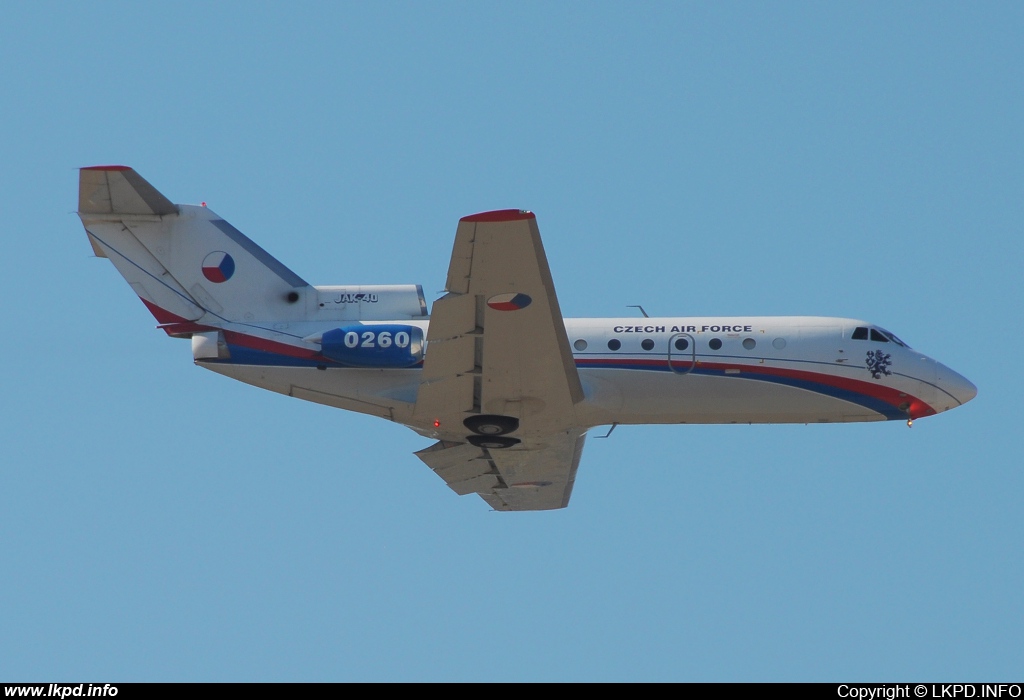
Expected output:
(116, 189)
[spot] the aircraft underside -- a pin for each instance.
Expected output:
(622, 396)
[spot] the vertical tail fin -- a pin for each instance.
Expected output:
(188, 265)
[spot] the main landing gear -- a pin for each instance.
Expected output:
(490, 431)
(492, 442)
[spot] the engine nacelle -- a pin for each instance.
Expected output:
(380, 302)
(386, 345)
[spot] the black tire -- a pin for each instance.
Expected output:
(492, 425)
(492, 442)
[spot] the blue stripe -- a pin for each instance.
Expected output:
(247, 356)
(241, 355)
(869, 402)
(275, 265)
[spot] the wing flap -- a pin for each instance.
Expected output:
(445, 400)
(455, 315)
(456, 357)
(484, 483)
(465, 468)
(445, 455)
(536, 476)
(541, 478)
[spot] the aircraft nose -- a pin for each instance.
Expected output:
(955, 385)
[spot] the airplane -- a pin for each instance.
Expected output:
(504, 385)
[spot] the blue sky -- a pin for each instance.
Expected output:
(858, 159)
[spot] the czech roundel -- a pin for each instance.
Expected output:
(509, 302)
(218, 267)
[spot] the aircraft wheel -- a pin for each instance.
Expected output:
(492, 442)
(492, 425)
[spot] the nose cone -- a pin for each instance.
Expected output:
(955, 389)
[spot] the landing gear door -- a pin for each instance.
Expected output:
(682, 353)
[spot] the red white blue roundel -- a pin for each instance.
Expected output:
(218, 267)
(509, 302)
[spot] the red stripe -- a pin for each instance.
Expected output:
(893, 397)
(251, 341)
(163, 315)
(173, 324)
(178, 330)
(499, 215)
(919, 409)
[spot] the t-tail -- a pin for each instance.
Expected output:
(189, 266)
(195, 272)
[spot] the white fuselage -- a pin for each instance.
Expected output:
(664, 370)
(506, 386)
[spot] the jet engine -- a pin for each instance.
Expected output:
(386, 345)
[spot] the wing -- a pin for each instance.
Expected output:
(540, 477)
(496, 346)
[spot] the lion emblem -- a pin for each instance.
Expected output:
(878, 363)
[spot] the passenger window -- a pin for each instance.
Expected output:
(749, 343)
(580, 344)
(614, 344)
(715, 344)
(875, 335)
(648, 344)
(682, 344)
(860, 333)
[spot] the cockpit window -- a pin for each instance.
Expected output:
(879, 335)
(893, 338)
